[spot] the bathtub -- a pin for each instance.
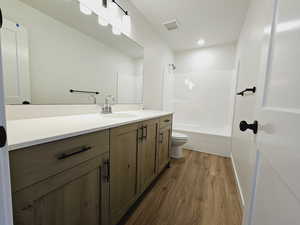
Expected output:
(209, 140)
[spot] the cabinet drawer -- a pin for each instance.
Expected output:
(165, 121)
(36, 163)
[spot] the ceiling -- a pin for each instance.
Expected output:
(216, 21)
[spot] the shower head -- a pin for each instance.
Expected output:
(172, 66)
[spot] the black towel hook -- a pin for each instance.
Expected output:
(242, 93)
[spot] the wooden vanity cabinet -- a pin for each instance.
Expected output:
(91, 179)
(148, 154)
(133, 164)
(70, 186)
(165, 142)
(125, 143)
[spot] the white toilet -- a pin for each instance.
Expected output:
(178, 140)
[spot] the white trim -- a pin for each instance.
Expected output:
(250, 214)
(196, 149)
(6, 217)
(241, 195)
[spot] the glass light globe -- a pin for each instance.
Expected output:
(84, 9)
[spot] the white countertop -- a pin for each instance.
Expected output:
(29, 132)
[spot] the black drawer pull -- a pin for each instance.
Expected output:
(167, 121)
(67, 155)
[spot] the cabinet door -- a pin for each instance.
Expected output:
(164, 147)
(76, 196)
(147, 154)
(123, 156)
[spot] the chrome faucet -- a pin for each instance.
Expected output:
(94, 99)
(107, 109)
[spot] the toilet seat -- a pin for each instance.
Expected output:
(179, 136)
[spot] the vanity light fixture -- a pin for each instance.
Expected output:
(104, 3)
(201, 42)
(126, 23)
(84, 9)
(123, 10)
(102, 21)
(108, 13)
(116, 30)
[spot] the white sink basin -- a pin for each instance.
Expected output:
(119, 115)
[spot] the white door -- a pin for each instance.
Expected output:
(15, 59)
(277, 190)
(5, 192)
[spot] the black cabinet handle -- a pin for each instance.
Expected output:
(67, 155)
(145, 132)
(167, 121)
(161, 138)
(242, 93)
(245, 126)
(140, 133)
(3, 137)
(106, 165)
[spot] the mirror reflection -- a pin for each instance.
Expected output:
(50, 48)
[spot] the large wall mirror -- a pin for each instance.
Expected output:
(49, 48)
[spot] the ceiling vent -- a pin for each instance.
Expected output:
(171, 25)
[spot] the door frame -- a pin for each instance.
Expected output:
(266, 54)
(5, 185)
(22, 60)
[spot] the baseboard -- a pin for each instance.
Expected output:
(241, 196)
(197, 149)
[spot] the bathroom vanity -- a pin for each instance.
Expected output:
(89, 176)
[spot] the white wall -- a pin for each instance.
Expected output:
(204, 84)
(157, 54)
(61, 58)
(221, 57)
(130, 86)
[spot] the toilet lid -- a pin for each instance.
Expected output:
(179, 135)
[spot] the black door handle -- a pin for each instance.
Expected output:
(242, 93)
(3, 137)
(1, 18)
(245, 126)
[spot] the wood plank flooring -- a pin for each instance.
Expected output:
(199, 190)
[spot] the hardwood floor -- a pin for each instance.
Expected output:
(199, 190)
